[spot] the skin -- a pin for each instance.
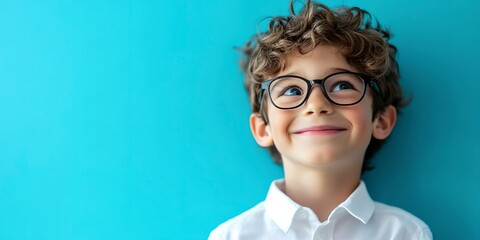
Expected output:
(322, 167)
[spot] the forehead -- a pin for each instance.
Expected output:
(318, 63)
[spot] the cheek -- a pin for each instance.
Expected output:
(364, 116)
(362, 119)
(363, 112)
(279, 121)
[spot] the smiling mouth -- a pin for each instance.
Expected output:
(320, 130)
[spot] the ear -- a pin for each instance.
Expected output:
(260, 130)
(384, 123)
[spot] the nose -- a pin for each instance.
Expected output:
(317, 102)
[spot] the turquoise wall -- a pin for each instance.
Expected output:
(128, 120)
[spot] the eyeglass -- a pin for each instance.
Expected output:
(341, 88)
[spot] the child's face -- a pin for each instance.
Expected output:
(339, 134)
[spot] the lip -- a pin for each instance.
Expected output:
(320, 129)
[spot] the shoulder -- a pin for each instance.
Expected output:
(397, 220)
(231, 228)
(391, 213)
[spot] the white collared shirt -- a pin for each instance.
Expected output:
(358, 217)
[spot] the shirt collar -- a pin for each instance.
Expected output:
(282, 209)
(359, 204)
(279, 206)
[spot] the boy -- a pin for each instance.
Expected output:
(323, 86)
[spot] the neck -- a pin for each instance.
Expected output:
(320, 189)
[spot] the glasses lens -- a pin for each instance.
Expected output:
(345, 88)
(288, 92)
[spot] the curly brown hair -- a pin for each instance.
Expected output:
(353, 31)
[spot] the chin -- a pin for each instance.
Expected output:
(319, 158)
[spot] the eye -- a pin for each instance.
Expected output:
(292, 91)
(288, 87)
(342, 85)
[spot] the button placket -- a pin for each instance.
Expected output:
(303, 214)
(322, 233)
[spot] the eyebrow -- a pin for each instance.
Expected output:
(328, 72)
(341, 70)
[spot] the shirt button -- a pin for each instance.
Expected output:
(321, 235)
(303, 214)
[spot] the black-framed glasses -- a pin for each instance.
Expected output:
(341, 88)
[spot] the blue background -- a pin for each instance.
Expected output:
(128, 119)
